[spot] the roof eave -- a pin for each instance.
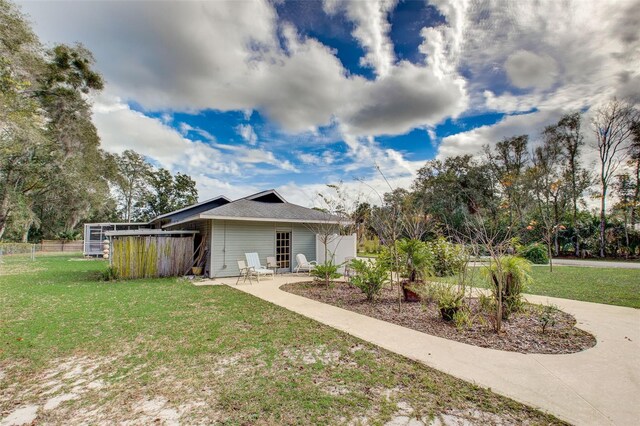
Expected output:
(183, 221)
(272, 219)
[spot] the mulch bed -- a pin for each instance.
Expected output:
(522, 332)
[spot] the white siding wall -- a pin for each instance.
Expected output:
(304, 241)
(232, 239)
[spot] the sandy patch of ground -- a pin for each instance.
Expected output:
(22, 416)
(312, 355)
(93, 390)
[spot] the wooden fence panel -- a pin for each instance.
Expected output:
(151, 256)
(60, 246)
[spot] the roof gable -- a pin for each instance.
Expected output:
(269, 196)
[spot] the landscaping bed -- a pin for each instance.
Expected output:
(522, 332)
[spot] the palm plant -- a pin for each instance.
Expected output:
(415, 259)
(415, 263)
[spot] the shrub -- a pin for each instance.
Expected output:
(15, 248)
(447, 258)
(512, 274)
(546, 316)
(370, 277)
(327, 272)
(371, 246)
(535, 253)
(426, 291)
(109, 274)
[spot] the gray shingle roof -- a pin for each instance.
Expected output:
(279, 212)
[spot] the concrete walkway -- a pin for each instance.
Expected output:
(599, 386)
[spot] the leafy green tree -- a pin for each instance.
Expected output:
(624, 189)
(568, 135)
(21, 134)
(49, 148)
(168, 193)
(546, 182)
(451, 189)
(131, 183)
(508, 161)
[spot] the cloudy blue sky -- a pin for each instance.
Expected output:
(248, 95)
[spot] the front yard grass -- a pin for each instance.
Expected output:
(611, 286)
(79, 350)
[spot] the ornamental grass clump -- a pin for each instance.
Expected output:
(508, 277)
(450, 300)
(370, 277)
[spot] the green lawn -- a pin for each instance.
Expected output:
(612, 286)
(159, 350)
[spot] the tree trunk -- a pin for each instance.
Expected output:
(574, 200)
(636, 196)
(4, 212)
(626, 233)
(551, 256)
(25, 233)
(603, 219)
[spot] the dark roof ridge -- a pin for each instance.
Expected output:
(224, 197)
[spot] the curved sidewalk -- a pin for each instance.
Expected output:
(599, 386)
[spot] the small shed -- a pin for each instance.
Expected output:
(151, 253)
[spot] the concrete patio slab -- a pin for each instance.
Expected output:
(598, 386)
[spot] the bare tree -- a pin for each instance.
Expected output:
(613, 125)
(546, 183)
(336, 223)
(495, 241)
(386, 220)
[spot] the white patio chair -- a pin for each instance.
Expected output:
(304, 264)
(245, 272)
(253, 260)
(272, 263)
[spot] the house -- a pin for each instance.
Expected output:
(264, 223)
(96, 233)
